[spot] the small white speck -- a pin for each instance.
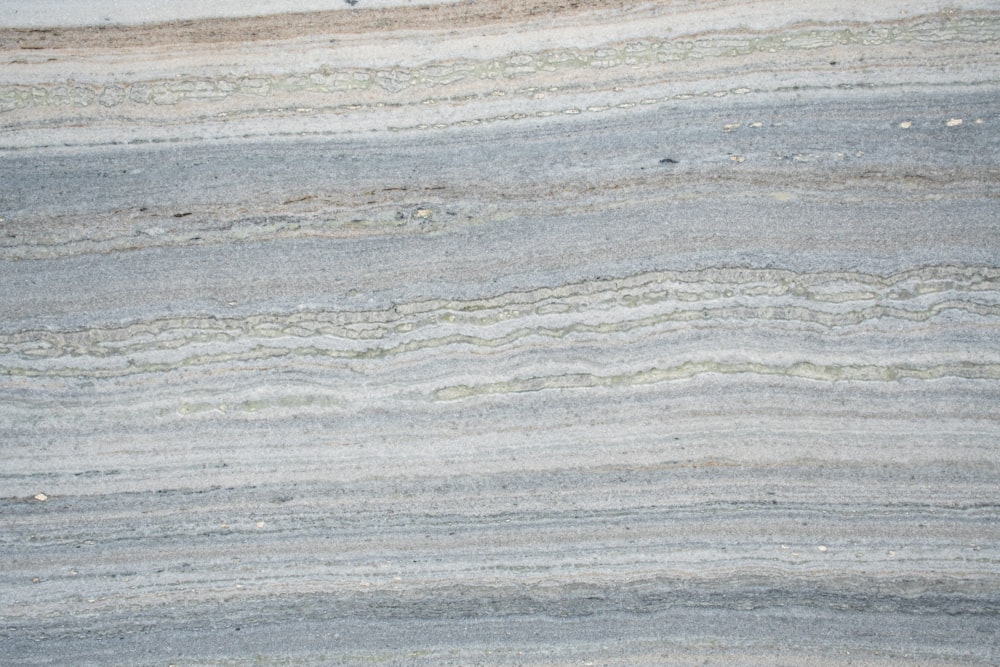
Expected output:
(906, 124)
(41, 497)
(954, 122)
(822, 548)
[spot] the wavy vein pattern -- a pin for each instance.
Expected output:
(645, 328)
(660, 333)
(453, 80)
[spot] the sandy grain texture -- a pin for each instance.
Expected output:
(508, 333)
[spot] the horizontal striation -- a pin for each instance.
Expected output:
(510, 333)
(648, 328)
(649, 60)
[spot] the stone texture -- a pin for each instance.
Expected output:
(520, 332)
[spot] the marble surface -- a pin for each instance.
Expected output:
(526, 332)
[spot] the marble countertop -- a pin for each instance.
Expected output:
(530, 332)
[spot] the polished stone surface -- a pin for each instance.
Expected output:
(520, 332)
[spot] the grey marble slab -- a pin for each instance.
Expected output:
(521, 333)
